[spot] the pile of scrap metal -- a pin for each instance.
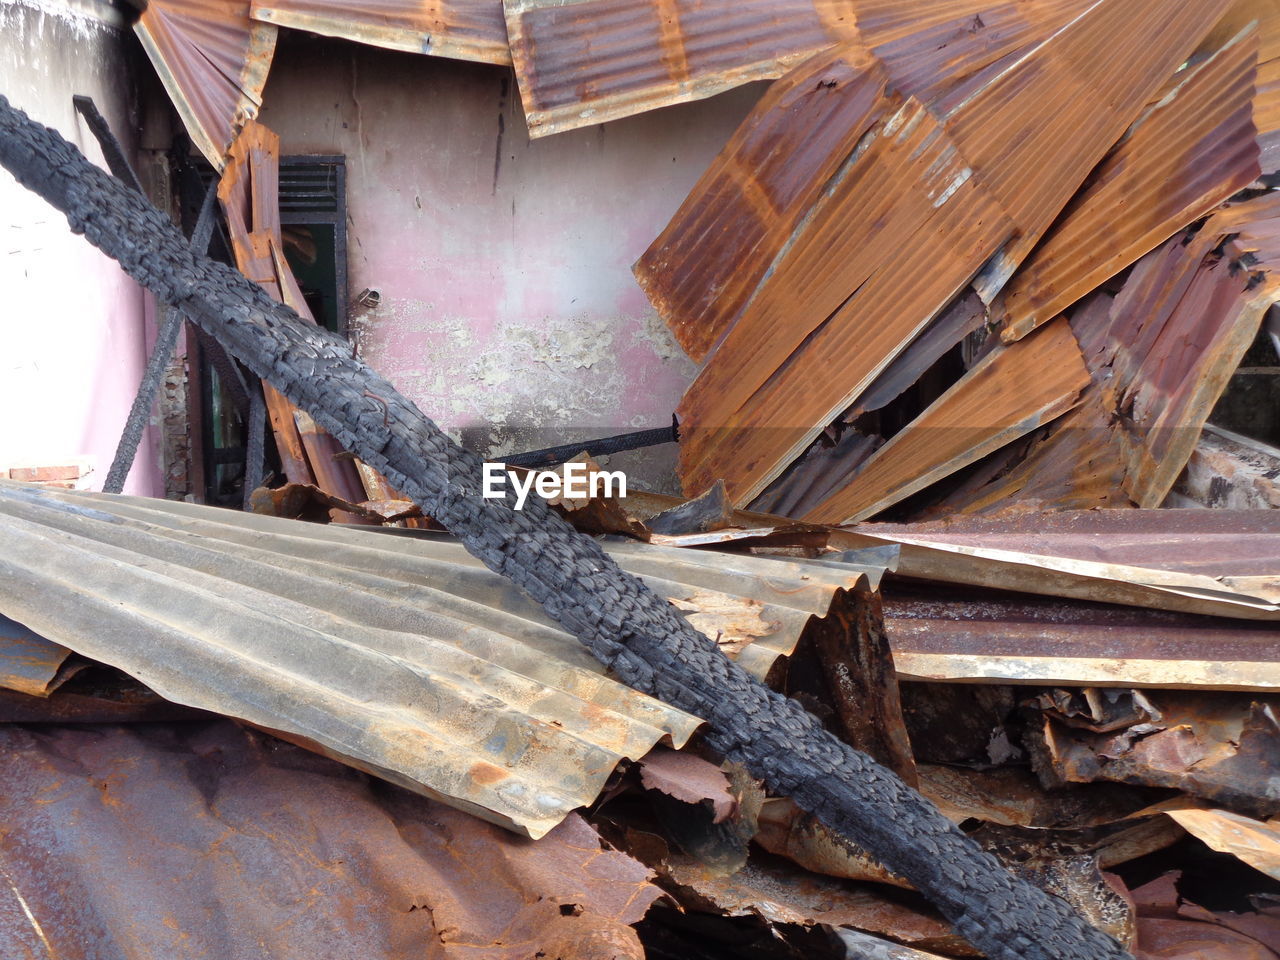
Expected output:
(1073, 194)
(1105, 725)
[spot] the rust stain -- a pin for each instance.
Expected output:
(1160, 354)
(700, 272)
(804, 348)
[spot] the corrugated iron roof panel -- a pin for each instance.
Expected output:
(213, 62)
(1041, 125)
(581, 62)
(1006, 395)
(945, 633)
(460, 29)
(1195, 148)
(206, 841)
(403, 657)
(839, 303)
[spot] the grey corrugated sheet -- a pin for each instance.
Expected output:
(404, 657)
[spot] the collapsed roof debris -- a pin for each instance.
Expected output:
(628, 628)
(406, 657)
(920, 671)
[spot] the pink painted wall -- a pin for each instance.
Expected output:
(509, 313)
(72, 330)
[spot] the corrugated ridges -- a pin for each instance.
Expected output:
(1188, 154)
(589, 61)
(807, 344)
(403, 657)
(704, 266)
(1009, 393)
(929, 48)
(1036, 131)
(213, 62)
(460, 29)
(1160, 354)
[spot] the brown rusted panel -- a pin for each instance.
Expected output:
(460, 29)
(1223, 545)
(1009, 393)
(937, 50)
(975, 634)
(207, 840)
(1034, 132)
(805, 348)
(814, 335)
(213, 62)
(700, 272)
(1191, 151)
(1266, 102)
(1216, 746)
(587, 61)
(1160, 353)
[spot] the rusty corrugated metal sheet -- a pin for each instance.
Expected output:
(205, 840)
(940, 51)
(460, 29)
(1195, 148)
(971, 633)
(704, 267)
(805, 346)
(1266, 103)
(1222, 562)
(581, 62)
(1034, 133)
(28, 662)
(588, 61)
(402, 656)
(1160, 353)
(813, 334)
(213, 62)
(1006, 395)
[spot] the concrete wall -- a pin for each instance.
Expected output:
(509, 312)
(72, 333)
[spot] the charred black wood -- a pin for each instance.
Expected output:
(161, 352)
(255, 443)
(639, 636)
(112, 152)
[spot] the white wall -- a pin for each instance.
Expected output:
(72, 333)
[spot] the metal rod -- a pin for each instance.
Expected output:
(594, 448)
